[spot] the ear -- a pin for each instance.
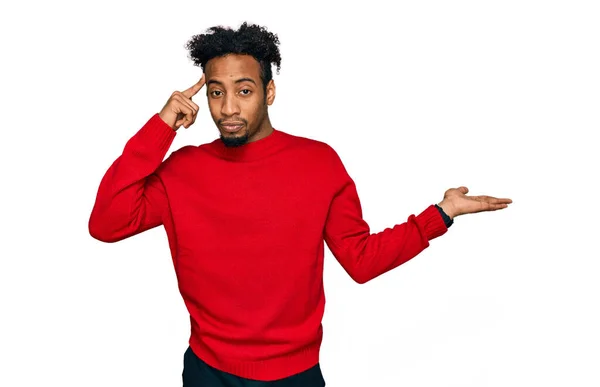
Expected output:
(270, 92)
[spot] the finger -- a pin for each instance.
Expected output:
(183, 121)
(179, 97)
(191, 118)
(193, 108)
(494, 207)
(486, 206)
(189, 93)
(490, 199)
(497, 200)
(185, 112)
(189, 114)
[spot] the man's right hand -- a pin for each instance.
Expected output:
(180, 109)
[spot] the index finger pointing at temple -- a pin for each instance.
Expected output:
(189, 93)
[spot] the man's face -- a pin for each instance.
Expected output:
(236, 99)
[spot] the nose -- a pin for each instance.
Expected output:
(230, 107)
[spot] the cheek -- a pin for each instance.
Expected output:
(213, 109)
(254, 110)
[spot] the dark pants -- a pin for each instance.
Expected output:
(196, 373)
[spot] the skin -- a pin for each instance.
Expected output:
(235, 93)
(456, 202)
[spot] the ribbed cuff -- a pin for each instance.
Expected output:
(432, 222)
(151, 142)
(158, 133)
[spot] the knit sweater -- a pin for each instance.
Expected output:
(246, 228)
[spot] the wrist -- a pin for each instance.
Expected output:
(447, 208)
(167, 120)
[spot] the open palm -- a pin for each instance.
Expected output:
(456, 202)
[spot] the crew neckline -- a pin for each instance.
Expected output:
(253, 150)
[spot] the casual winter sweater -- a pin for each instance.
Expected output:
(246, 229)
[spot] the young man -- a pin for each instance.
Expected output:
(247, 216)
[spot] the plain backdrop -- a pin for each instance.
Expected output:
(416, 97)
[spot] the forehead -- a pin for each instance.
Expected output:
(233, 66)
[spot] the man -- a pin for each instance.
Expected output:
(247, 216)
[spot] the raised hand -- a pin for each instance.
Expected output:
(456, 202)
(180, 109)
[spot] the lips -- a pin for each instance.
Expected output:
(232, 126)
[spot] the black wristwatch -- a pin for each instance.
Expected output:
(447, 219)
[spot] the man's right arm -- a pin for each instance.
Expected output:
(131, 197)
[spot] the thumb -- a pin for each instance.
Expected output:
(463, 189)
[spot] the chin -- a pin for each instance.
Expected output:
(234, 139)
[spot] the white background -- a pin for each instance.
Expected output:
(416, 97)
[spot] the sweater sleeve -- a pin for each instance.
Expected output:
(365, 255)
(131, 197)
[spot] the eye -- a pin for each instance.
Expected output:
(214, 93)
(246, 92)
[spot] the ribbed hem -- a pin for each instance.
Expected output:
(263, 370)
(432, 222)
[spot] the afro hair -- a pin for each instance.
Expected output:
(251, 40)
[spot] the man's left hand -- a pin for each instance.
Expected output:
(456, 202)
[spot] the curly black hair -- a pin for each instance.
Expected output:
(251, 40)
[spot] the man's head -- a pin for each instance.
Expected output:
(239, 80)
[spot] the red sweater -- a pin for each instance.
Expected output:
(246, 228)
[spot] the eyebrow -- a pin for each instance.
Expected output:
(236, 81)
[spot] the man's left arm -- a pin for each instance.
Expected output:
(365, 255)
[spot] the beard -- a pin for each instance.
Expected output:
(232, 142)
